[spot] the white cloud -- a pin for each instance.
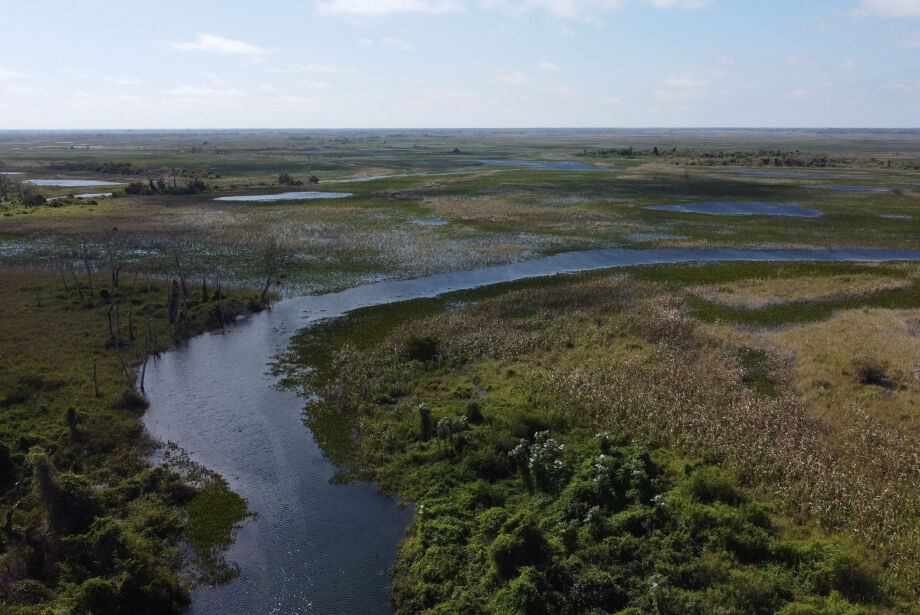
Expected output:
(587, 10)
(329, 69)
(377, 8)
(515, 78)
(548, 67)
(685, 86)
(210, 43)
(395, 43)
(197, 92)
(126, 81)
(891, 8)
(848, 64)
(7, 74)
(22, 90)
(266, 88)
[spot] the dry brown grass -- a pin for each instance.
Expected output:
(761, 293)
(829, 356)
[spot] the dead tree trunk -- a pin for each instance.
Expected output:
(63, 278)
(181, 273)
(89, 274)
(76, 282)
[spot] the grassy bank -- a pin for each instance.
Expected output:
(89, 525)
(714, 484)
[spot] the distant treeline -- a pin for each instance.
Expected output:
(95, 166)
(762, 158)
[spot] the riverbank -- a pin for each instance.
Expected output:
(88, 523)
(483, 409)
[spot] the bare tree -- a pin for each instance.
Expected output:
(89, 271)
(276, 259)
(180, 271)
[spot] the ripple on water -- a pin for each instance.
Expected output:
(733, 208)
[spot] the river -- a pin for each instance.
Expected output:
(316, 547)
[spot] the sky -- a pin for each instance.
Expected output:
(459, 63)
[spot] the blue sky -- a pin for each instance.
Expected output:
(459, 63)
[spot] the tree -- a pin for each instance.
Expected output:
(6, 186)
(276, 259)
(29, 196)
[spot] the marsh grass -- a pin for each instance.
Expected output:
(620, 355)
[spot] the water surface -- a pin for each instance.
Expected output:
(429, 222)
(544, 165)
(286, 196)
(71, 183)
(732, 208)
(317, 547)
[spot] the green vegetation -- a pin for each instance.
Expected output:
(756, 458)
(707, 488)
(89, 526)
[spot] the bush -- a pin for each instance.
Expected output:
(421, 348)
(869, 372)
(131, 400)
(523, 546)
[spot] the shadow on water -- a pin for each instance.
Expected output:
(316, 546)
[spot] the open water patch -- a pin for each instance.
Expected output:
(71, 183)
(429, 222)
(286, 196)
(895, 216)
(544, 165)
(738, 208)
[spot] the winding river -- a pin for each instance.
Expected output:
(316, 547)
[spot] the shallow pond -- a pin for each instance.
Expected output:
(544, 165)
(895, 216)
(71, 183)
(429, 222)
(733, 208)
(317, 547)
(10, 172)
(286, 196)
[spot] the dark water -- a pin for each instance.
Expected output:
(544, 165)
(316, 547)
(732, 208)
